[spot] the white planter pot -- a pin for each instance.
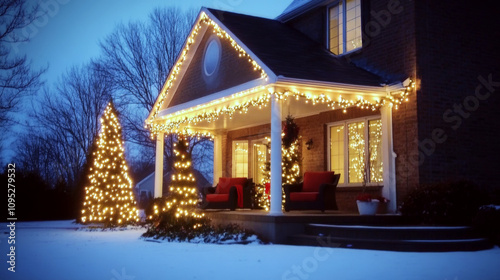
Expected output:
(367, 207)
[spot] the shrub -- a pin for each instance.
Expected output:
(487, 221)
(444, 203)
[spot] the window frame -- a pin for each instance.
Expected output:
(345, 172)
(344, 32)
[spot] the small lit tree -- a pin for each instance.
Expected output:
(108, 196)
(177, 213)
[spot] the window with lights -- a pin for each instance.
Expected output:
(356, 151)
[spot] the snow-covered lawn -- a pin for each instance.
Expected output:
(53, 250)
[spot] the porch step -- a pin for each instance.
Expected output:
(392, 238)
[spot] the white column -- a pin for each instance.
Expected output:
(217, 158)
(160, 142)
(276, 193)
(388, 159)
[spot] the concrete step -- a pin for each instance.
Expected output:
(392, 245)
(392, 232)
(392, 238)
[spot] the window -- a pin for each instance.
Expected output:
(240, 159)
(259, 162)
(212, 56)
(356, 151)
(344, 26)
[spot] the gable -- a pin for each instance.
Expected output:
(228, 71)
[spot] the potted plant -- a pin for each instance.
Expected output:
(368, 205)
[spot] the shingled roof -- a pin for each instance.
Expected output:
(289, 53)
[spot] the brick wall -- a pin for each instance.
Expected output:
(457, 43)
(312, 127)
(389, 50)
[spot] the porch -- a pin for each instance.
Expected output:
(349, 230)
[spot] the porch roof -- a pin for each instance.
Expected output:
(292, 65)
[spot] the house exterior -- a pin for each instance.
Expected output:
(402, 90)
(144, 190)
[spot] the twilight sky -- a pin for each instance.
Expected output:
(69, 32)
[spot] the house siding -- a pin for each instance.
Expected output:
(233, 70)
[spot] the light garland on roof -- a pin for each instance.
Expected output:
(172, 126)
(204, 20)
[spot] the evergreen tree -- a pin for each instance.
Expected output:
(290, 162)
(108, 196)
(177, 215)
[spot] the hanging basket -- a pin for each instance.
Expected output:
(367, 207)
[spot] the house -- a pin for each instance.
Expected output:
(144, 190)
(405, 90)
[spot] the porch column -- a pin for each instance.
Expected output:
(217, 158)
(275, 156)
(388, 159)
(160, 141)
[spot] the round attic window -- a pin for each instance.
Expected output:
(212, 56)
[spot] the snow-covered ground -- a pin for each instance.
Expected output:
(56, 250)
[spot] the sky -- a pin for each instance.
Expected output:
(69, 31)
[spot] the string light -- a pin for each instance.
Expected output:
(108, 197)
(204, 21)
(182, 197)
(173, 125)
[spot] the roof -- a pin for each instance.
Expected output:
(298, 7)
(289, 53)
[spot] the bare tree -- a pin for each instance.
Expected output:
(139, 56)
(70, 118)
(17, 79)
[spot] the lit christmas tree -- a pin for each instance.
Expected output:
(178, 213)
(290, 162)
(108, 196)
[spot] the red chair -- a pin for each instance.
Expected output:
(316, 191)
(229, 193)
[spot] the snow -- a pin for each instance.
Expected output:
(62, 250)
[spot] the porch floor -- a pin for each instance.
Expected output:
(276, 229)
(351, 230)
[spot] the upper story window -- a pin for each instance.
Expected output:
(344, 26)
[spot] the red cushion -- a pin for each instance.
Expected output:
(217, 197)
(225, 184)
(222, 186)
(304, 196)
(312, 180)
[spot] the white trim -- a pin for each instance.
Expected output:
(276, 157)
(158, 188)
(389, 159)
(217, 163)
(212, 97)
(283, 81)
